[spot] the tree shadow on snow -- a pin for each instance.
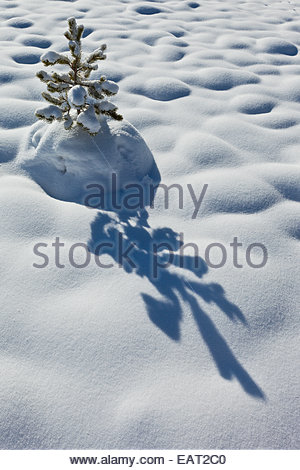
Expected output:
(150, 249)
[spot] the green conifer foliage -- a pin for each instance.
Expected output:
(74, 98)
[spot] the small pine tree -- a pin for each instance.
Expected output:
(76, 99)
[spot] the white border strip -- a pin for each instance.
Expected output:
(164, 459)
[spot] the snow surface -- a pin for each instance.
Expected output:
(64, 163)
(112, 358)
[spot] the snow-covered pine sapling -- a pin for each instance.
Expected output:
(74, 97)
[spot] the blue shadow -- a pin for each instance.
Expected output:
(149, 249)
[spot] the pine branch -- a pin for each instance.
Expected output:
(57, 87)
(79, 32)
(52, 58)
(61, 78)
(94, 93)
(43, 76)
(87, 69)
(72, 27)
(75, 49)
(114, 115)
(68, 122)
(68, 35)
(57, 101)
(50, 113)
(98, 54)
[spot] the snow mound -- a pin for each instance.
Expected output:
(200, 150)
(169, 53)
(65, 162)
(277, 46)
(216, 78)
(233, 42)
(159, 88)
(166, 90)
(253, 104)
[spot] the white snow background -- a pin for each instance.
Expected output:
(94, 358)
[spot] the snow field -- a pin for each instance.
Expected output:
(111, 358)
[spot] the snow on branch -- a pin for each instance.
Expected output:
(52, 58)
(88, 120)
(50, 113)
